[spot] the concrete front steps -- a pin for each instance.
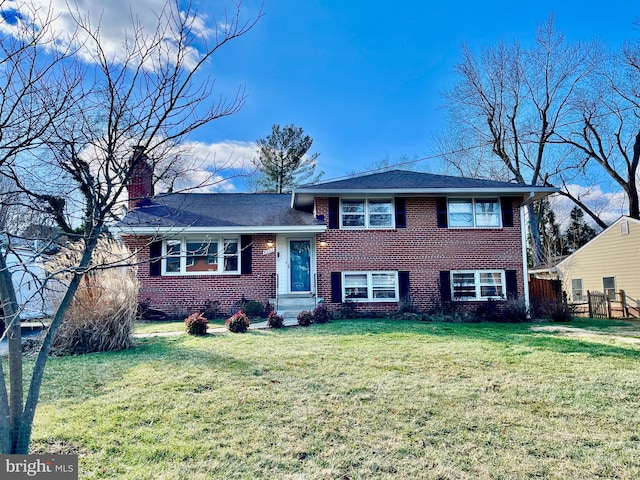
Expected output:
(290, 305)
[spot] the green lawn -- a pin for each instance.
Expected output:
(365, 399)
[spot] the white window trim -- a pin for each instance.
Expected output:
(474, 214)
(574, 290)
(183, 256)
(613, 290)
(370, 298)
(366, 201)
(478, 297)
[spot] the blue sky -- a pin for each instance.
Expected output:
(364, 79)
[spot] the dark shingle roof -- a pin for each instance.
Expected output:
(405, 179)
(405, 182)
(218, 210)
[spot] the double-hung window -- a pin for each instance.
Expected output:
(477, 284)
(370, 286)
(576, 290)
(366, 213)
(474, 212)
(200, 256)
(609, 287)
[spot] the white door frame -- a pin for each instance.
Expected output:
(283, 263)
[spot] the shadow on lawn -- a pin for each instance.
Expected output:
(508, 335)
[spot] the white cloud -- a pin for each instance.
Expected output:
(214, 167)
(227, 154)
(114, 20)
(609, 206)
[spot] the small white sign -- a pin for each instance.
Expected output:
(269, 250)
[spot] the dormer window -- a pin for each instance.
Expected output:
(366, 213)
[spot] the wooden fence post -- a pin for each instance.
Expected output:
(589, 303)
(623, 299)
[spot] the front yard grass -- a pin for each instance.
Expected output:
(354, 399)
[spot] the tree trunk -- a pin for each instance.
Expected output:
(537, 254)
(6, 287)
(24, 434)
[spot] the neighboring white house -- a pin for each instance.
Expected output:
(27, 273)
(609, 263)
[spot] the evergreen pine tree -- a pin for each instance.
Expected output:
(283, 163)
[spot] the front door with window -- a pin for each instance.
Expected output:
(300, 265)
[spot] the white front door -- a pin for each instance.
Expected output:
(300, 266)
(295, 264)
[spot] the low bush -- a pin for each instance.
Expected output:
(211, 309)
(561, 311)
(253, 309)
(196, 324)
(238, 322)
(515, 311)
(274, 320)
(305, 318)
(321, 314)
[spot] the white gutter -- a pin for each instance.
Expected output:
(525, 268)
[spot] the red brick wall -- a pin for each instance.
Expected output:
(178, 295)
(422, 248)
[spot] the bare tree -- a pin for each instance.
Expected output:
(151, 98)
(608, 129)
(511, 101)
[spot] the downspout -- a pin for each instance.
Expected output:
(525, 267)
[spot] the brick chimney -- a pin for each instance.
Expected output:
(140, 184)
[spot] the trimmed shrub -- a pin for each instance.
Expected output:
(321, 314)
(196, 324)
(253, 309)
(238, 322)
(305, 318)
(274, 320)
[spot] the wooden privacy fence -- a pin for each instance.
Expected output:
(544, 290)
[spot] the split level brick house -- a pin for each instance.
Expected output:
(374, 240)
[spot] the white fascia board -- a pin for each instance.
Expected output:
(164, 231)
(411, 191)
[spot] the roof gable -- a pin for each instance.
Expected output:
(604, 236)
